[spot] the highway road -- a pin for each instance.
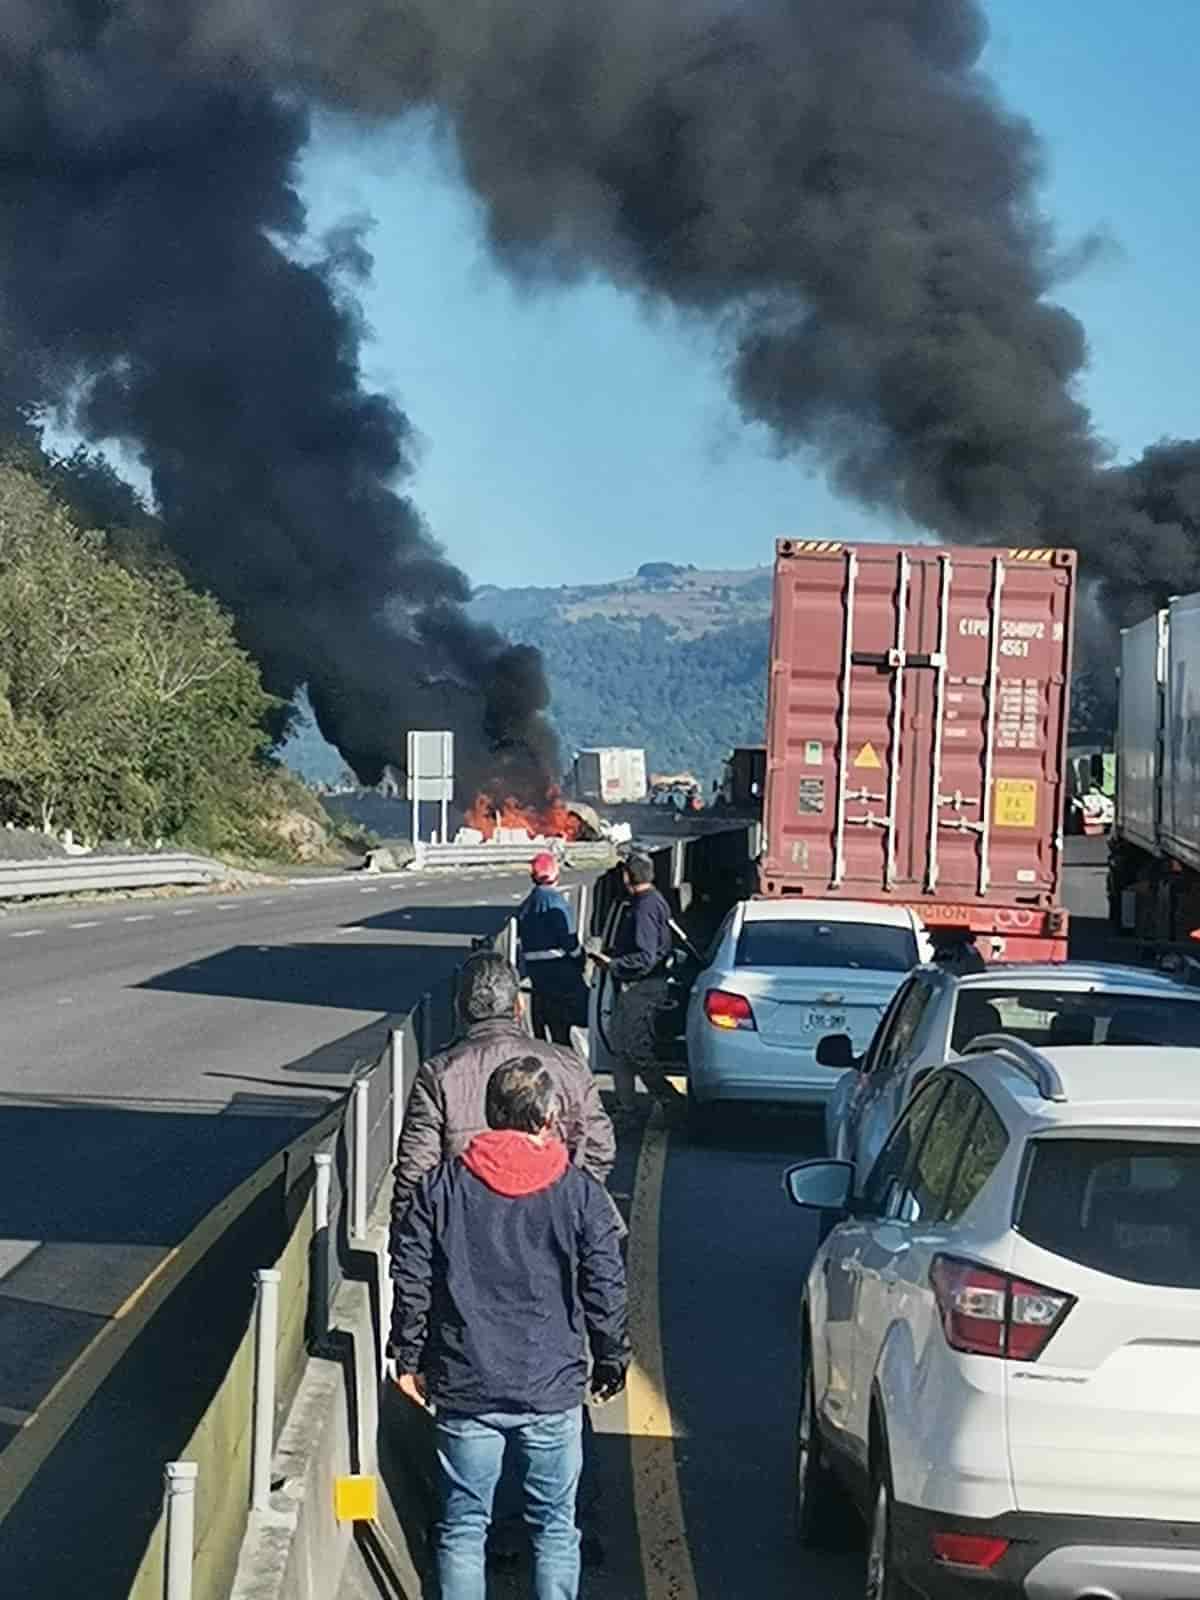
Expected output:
(153, 1052)
(693, 1466)
(147, 1064)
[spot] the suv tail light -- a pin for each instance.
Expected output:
(989, 1313)
(725, 1010)
(979, 1550)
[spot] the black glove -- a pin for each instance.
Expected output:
(608, 1379)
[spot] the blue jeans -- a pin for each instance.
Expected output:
(549, 1451)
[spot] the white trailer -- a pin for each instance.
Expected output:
(610, 775)
(1154, 864)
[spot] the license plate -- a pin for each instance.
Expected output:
(826, 1021)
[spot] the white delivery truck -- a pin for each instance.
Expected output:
(612, 775)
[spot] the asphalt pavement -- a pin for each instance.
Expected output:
(151, 1053)
(692, 1470)
(154, 1052)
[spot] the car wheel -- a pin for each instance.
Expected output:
(703, 1118)
(821, 1508)
(884, 1582)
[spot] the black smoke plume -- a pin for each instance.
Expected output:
(154, 271)
(833, 184)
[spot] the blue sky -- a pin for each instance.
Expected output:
(568, 436)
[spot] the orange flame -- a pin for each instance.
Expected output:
(550, 821)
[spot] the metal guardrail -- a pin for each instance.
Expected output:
(582, 854)
(27, 880)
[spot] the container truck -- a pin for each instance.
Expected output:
(917, 717)
(610, 776)
(1154, 848)
(743, 780)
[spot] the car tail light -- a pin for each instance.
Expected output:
(989, 1313)
(725, 1010)
(978, 1550)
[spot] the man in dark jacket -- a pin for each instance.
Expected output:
(551, 953)
(446, 1107)
(639, 965)
(508, 1273)
(955, 950)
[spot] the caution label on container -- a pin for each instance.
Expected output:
(1016, 803)
(866, 757)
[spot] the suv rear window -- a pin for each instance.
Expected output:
(1130, 1208)
(826, 944)
(1047, 1017)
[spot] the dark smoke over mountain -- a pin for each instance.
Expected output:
(154, 270)
(831, 182)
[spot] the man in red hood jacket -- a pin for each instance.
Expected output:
(508, 1273)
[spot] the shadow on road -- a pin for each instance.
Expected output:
(732, 1279)
(352, 977)
(464, 921)
(110, 1191)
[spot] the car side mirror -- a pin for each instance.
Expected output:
(820, 1185)
(836, 1050)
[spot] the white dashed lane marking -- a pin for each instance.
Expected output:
(85, 924)
(147, 916)
(27, 933)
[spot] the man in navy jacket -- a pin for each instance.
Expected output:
(551, 954)
(508, 1274)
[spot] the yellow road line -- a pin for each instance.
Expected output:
(667, 1572)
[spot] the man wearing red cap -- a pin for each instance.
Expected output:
(551, 957)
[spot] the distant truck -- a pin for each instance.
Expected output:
(744, 780)
(916, 734)
(1154, 847)
(611, 776)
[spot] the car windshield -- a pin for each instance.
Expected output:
(1049, 1016)
(1130, 1207)
(826, 944)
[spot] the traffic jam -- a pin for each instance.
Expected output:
(999, 1334)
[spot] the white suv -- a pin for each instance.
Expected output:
(1001, 1338)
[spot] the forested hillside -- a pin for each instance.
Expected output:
(673, 660)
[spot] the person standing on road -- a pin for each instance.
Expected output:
(638, 964)
(447, 1105)
(508, 1272)
(955, 950)
(550, 952)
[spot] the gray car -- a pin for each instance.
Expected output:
(935, 1014)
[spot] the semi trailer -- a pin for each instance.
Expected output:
(917, 718)
(1154, 847)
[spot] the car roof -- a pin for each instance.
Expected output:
(1121, 1085)
(800, 910)
(1080, 975)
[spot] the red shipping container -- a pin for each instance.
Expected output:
(916, 733)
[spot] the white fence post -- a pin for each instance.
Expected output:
(396, 1066)
(581, 920)
(266, 1338)
(180, 1478)
(359, 1116)
(322, 1188)
(510, 941)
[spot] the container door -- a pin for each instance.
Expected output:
(918, 702)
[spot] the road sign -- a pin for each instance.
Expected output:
(431, 766)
